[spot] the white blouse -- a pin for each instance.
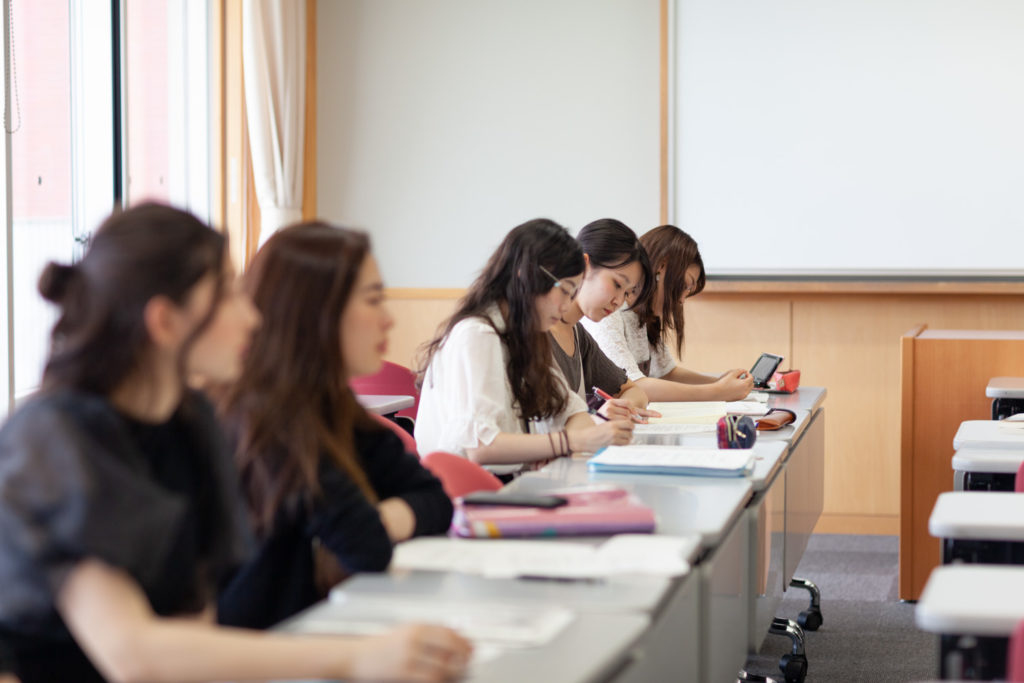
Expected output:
(466, 399)
(624, 341)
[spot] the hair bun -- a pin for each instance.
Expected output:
(55, 280)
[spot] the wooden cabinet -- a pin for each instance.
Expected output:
(943, 376)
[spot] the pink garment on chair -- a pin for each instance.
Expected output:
(458, 475)
(1015, 655)
(392, 380)
(407, 441)
(1018, 484)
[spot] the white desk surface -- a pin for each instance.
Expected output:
(590, 649)
(640, 594)
(706, 506)
(983, 515)
(976, 434)
(385, 404)
(988, 460)
(972, 599)
(1005, 387)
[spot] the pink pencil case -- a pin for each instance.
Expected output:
(604, 510)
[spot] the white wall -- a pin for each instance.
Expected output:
(441, 125)
(852, 136)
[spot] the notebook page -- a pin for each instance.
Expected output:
(681, 457)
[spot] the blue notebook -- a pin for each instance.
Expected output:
(682, 460)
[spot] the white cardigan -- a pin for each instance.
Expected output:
(624, 341)
(466, 399)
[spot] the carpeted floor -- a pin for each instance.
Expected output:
(868, 635)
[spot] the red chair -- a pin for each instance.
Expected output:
(391, 380)
(406, 437)
(1015, 655)
(458, 475)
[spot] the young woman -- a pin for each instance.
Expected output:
(638, 338)
(118, 504)
(489, 376)
(617, 271)
(330, 489)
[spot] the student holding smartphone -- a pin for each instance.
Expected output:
(490, 389)
(637, 338)
(616, 271)
(119, 509)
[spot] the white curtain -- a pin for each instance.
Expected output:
(274, 68)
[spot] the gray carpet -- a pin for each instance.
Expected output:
(868, 635)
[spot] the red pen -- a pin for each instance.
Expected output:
(602, 393)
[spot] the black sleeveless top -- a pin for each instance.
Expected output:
(80, 480)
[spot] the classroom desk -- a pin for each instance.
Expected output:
(1007, 394)
(603, 643)
(987, 434)
(982, 602)
(713, 508)
(385, 404)
(982, 527)
(986, 469)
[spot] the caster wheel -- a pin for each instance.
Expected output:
(810, 619)
(793, 667)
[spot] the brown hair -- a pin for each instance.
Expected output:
(513, 277)
(145, 251)
(292, 405)
(672, 248)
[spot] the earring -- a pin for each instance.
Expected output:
(657, 277)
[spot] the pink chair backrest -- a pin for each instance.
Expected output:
(1018, 484)
(406, 437)
(458, 475)
(1015, 655)
(392, 380)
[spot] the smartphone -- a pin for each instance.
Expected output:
(513, 499)
(764, 368)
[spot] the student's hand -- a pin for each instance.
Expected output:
(640, 415)
(616, 409)
(734, 385)
(415, 652)
(592, 439)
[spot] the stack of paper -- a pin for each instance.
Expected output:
(688, 412)
(754, 408)
(622, 554)
(654, 459)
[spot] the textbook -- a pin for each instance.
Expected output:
(683, 460)
(594, 510)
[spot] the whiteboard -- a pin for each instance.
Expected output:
(849, 137)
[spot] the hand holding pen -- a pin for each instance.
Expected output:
(617, 408)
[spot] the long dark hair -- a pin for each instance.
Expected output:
(672, 248)
(612, 244)
(513, 277)
(292, 403)
(145, 251)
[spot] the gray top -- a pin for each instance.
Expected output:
(590, 363)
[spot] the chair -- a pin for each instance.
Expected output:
(407, 441)
(392, 380)
(1015, 655)
(1018, 484)
(458, 475)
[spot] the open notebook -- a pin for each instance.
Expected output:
(656, 459)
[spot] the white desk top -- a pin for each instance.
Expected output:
(988, 460)
(972, 599)
(1005, 387)
(385, 404)
(983, 515)
(705, 506)
(977, 434)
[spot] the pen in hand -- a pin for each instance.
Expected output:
(608, 397)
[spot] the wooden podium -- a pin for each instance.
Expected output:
(943, 378)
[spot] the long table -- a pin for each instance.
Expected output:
(698, 627)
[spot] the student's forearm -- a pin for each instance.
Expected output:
(512, 449)
(667, 390)
(398, 519)
(681, 374)
(636, 396)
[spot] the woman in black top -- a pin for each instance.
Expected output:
(120, 512)
(329, 488)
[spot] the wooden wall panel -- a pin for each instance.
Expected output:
(726, 332)
(416, 320)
